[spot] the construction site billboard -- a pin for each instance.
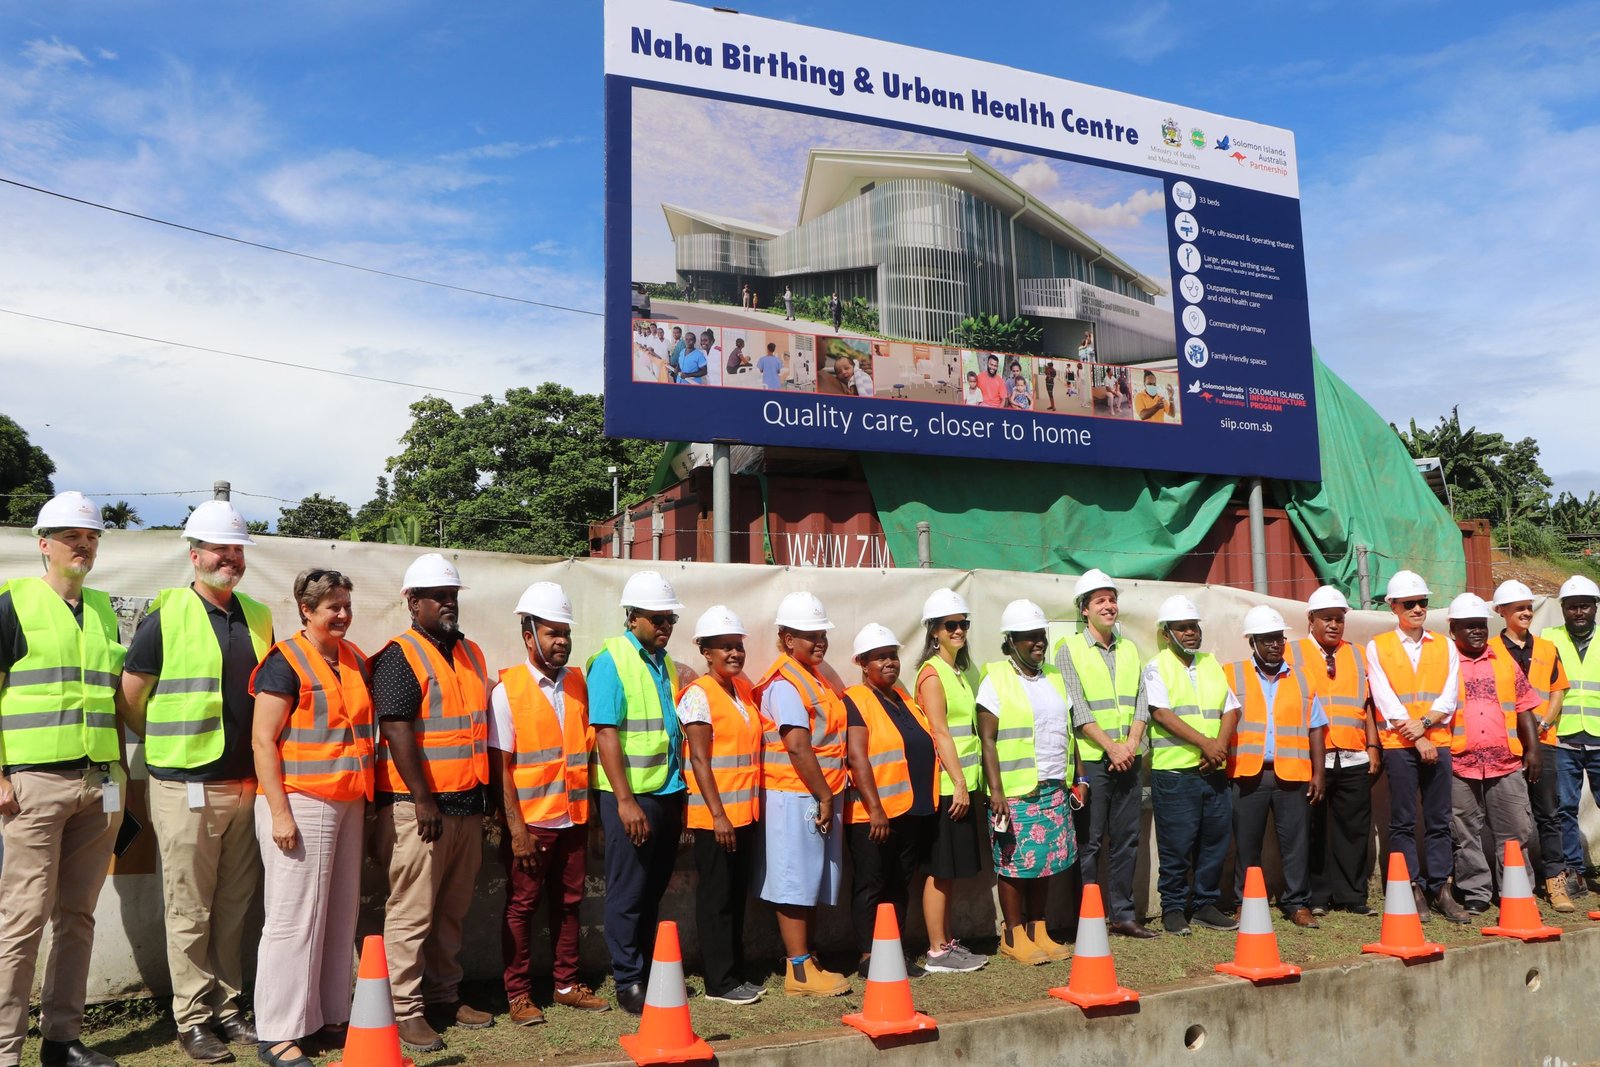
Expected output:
(821, 240)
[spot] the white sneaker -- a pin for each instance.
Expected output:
(954, 958)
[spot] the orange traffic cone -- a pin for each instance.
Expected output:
(1401, 934)
(373, 1040)
(1092, 982)
(1255, 951)
(1519, 914)
(665, 1035)
(887, 1008)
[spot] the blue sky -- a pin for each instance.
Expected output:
(1446, 150)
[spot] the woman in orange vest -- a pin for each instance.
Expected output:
(893, 798)
(724, 732)
(313, 739)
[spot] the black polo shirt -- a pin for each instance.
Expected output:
(396, 694)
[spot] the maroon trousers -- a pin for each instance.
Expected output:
(563, 855)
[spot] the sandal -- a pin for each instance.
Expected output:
(272, 1053)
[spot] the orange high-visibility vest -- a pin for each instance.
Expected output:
(828, 723)
(1416, 687)
(736, 740)
(550, 767)
(1505, 688)
(452, 728)
(886, 752)
(326, 745)
(1291, 724)
(1547, 676)
(1344, 696)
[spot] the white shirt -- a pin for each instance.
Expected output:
(1050, 716)
(503, 730)
(695, 706)
(1155, 689)
(1394, 712)
(863, 382)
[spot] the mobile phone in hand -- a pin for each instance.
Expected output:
(1001, 823)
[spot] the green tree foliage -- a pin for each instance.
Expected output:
(25, 472)
(524, 474)
(1569, 515)
(120, 516)
(992, 333)
(317, 516)
(1489, 477)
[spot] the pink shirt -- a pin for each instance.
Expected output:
(993, 388)
(1487, 755)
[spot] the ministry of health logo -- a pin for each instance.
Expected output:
(1197, 137)
(1171, 134)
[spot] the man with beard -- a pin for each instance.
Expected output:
(430, 693)
(187, 683)
(62, 780)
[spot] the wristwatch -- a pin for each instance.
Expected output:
(1427, 722)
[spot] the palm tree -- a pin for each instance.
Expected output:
(120, 516)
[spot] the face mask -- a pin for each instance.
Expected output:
(1150, 390)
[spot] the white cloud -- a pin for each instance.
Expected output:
(52, 53)
(1148, 33)
(1122, 215)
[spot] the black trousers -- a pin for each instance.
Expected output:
(1253, 798)
(636, 880)
(1111, 815)
(719, 904)
(1545, 794)
(881, 874)
(1341, 839)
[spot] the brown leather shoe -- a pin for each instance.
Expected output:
(418, 1035)
(469, 1018)
(524, 1012)
(1302, 917)
(581, 998)
(235, 1031)
(1132, 928)
(1444, 902)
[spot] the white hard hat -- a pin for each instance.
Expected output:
(1406, 584)
(1511, 591)
(1262, 619)
(217, 522)
(718, 621)
(1327, 597)
(1578, 585)
(803, 612)
(1092, 579)
(1468, 606)
(874, 635)
(1177, 608)
(69, 511)
(547, 601)
(431, 571)
(1023, 616)
(943, 602)
(649, 591)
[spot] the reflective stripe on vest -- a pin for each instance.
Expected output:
(1199, 706)
(550, 765)
(1505, 691)
(326, 744)
(1013, 740)
(1112, 700)
(1580, 708)
(1344, 696)
(961, 717)
(452, 725)
(736, 741)
(1415, 687)
(1544, 675)
(642, 733)
(183, 717)
(1291, 718)
(886, 755)
(825, 707)
(58, 701)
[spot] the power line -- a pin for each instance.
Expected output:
(241, 355)
(291, 252)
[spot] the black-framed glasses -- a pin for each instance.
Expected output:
(956, 626)
(1412, 605)
(663, 620)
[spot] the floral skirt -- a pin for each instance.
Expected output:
(1041, 841)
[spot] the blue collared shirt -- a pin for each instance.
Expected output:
(608, 705)
(1269, 690)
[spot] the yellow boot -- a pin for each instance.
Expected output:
(807, 979)
(1016, 944)
(1042, 941)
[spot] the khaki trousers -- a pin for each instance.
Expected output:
(57, 855)
(430, 892)
(311, 896)
(210, 871)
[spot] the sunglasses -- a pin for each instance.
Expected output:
(1412, 605)
(319, 574)
(663, 620)
(956, 626)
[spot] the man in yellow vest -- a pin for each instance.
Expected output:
(1275, 760)
(1578, 731)
(633, 709)
(1493, 743)
(1104, 676)
(539, 731)
(1413, 676)
(62, 780)
(187, 686)
(1192, 713)
(1540, 663)
(430, 695)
